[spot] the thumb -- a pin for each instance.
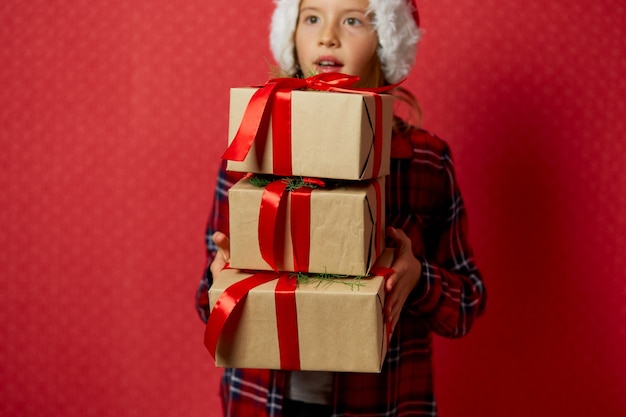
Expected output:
(402, 242)
(223, 244)
(398, 236)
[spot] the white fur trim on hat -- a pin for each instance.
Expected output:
(395, 25)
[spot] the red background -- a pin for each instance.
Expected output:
(112, 119)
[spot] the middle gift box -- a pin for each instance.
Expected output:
(333, 228)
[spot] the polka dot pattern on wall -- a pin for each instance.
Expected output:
(112, 119)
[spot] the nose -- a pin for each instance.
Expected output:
(328, 36)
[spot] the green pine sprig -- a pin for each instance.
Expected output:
(293, 183)
(326, 279)
(260, 181)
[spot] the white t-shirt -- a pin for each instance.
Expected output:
(310, 387)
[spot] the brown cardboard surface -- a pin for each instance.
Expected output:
(341, 328)
(343, 229)
(332, 135)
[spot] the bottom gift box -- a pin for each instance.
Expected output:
(269, 320)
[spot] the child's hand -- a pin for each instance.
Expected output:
(407, 272)
(222, 257)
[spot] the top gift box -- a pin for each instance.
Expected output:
(321, 134)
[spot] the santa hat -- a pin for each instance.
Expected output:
(396, 23)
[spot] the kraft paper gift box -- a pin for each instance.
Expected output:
(332, 136)
(345, 228)
(340, 324)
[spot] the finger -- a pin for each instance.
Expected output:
(217, 266)
(394, 302)
(393, 316)
(220, 239)
(391, 282)
(394, 323)
(403, 243)
(392, 232)
(223, 245)
(391, 305)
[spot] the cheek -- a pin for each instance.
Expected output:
(369, 69)
(365, 59)
(302, 38)
(300, 49)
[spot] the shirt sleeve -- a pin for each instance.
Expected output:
(450, 294)
(218, 221)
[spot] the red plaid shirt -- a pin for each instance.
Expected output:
(423, 199)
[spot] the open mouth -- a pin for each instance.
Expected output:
(328, 64)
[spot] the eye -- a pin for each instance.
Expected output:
(353, 21)
(311, 19)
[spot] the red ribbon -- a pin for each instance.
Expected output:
(301, 228)
(281, 128)
(233, 299)
(272, 206)
(275, 95)
(272, 218)
(287, 322)
(379, 216)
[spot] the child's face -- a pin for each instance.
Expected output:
(337, 36)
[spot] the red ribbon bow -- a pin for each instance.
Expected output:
(233, 298)
(275, 98)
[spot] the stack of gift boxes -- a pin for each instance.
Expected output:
(312, 203)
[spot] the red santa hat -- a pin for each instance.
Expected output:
(396, 23)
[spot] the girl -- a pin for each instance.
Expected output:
(436, 286)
